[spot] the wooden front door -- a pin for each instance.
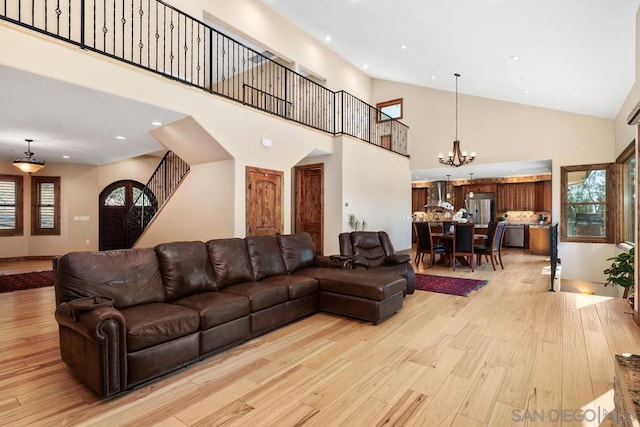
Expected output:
(264, 201)
(309, 203)
(115, 201)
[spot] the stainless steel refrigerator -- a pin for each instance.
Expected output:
(481, 208)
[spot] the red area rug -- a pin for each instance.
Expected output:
(18, 282)
(448, 285)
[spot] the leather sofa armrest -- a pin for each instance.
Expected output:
(397, 258)
(93, 344)
(89, 322)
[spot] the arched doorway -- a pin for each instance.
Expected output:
(116, 200)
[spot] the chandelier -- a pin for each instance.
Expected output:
(456, 157)
(28, 164)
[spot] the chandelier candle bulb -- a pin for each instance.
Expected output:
(464, 154)
(440, 156)
(450, 153)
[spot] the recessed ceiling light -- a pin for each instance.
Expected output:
(525, 90)
(403, 46)
(514, 57)
(365, 66)
(156, 123)
(121, 137)
(66, 157)
(433, 77)
(327, 39)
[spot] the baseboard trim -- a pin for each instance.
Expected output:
(28, 258)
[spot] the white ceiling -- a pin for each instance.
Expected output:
(68, 120)
(573, 55)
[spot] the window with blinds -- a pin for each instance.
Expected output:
(10, 205)
(45, 205)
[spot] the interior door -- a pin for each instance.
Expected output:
(309, 203)
(264, 201)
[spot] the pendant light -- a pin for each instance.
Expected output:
(28, 164)
(456, 157)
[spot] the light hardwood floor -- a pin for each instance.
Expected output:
(441, 360)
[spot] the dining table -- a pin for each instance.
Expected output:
(447, 239)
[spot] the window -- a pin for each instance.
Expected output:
(586, 196)
(626, 163)
(389, 110)
(45, 205)
(11, 205)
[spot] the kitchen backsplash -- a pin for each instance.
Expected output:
(525, 217)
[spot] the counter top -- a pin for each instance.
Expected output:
(539, 226)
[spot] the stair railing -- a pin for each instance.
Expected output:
(163, 182)
(157, 37)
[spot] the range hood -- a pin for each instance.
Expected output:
(437, 196)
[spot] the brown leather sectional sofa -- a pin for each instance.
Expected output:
(128, 316)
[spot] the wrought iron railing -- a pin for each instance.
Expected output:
(163, 182)
(159, 38)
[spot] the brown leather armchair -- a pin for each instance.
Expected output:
(373, 249)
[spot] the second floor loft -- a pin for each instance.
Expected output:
(157, 37)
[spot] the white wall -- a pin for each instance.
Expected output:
(377, 186)
(200, 209)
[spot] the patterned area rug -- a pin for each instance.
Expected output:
(448, 285)
(18, 282)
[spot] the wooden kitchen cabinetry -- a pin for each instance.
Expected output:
(516, 197)
(419, 199)
(543, 196)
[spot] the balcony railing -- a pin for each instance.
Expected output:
(159, 38)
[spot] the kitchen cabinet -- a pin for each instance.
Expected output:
(419, 199)
(458, 200)
(543, 196)
(516, 197)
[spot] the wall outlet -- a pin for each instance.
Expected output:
(86, 242)
(76, 218)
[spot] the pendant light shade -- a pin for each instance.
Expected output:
(28, 164)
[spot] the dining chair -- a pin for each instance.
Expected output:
(425, 244)
(463, 243)
(493, 244)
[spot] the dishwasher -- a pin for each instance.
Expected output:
(514, 235)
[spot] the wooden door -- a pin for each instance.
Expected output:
(309, 203)
(264, 201)
(115, 201)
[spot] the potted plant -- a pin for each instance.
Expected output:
(355, 223)
(621, 271)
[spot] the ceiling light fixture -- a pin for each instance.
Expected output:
(456, 157)
(28, 164)
(121, 137)
(156, 123)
